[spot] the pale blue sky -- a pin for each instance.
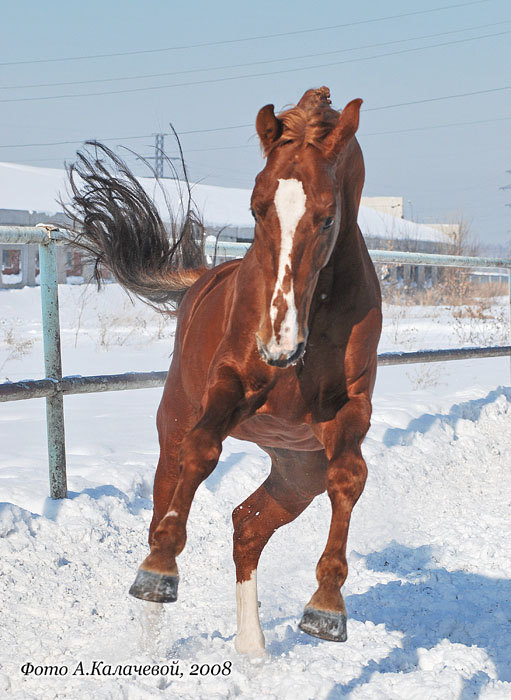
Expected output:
(441, 173)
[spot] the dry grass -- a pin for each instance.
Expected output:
(17, 345)
(457, 290)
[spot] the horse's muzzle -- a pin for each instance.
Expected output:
(283, 359)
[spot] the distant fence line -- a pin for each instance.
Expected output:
(54, 385)
(19, 263)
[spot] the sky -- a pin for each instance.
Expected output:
(208, 68)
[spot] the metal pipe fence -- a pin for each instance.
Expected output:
(54, 386)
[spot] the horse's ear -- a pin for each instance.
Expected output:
(343, 131)
(268, 127)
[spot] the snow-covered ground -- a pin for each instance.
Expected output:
(429, 588)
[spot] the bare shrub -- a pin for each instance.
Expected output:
(480, 322)
(425, 375)
(491, 290)
(454, 282)
(132, 327)
(17, 344)
(85, 298)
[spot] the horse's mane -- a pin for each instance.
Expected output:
(308, 122)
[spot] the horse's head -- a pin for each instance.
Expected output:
(297, 209)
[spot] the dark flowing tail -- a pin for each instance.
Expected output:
(119, 227)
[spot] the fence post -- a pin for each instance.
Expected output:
(509, 286)
(53, 367)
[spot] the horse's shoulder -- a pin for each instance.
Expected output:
(206, 283)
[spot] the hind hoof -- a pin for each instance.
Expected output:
(157, 588)
(324, 624)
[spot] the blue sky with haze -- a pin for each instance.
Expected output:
(426, 152)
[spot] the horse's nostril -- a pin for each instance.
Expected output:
(300, 349)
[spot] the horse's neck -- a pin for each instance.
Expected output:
(350, 178)
(348, 254)
(349, 268)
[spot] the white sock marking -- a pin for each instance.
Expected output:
(290, 201)
(250, 639)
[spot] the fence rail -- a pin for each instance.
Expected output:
(53, 387)
(43, 388)
(233, 249)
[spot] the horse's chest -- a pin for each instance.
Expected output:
(274, 431)
(291, 408)
(306, 398)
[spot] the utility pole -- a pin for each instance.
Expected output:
(159, 157)
(159, 154)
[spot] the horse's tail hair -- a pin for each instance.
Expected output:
(120, 228)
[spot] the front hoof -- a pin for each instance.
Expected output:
(324, 624)
(157, 588)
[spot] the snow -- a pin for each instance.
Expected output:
(429, 588)
(38, 189)
(11, 279)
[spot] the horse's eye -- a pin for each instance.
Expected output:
(328, 222)
(253, 214)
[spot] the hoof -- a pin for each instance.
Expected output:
(324, 624)
(157, 588)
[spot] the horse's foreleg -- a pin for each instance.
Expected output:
(295, 479)
(157, 578)
(325, 614)
(174, 419)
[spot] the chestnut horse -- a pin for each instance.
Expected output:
(278, 348)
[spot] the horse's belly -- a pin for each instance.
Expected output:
(270, 431)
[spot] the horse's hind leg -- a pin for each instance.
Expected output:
(295, 479)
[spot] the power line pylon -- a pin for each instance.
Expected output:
(159, 154)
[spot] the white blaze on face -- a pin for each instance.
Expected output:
(250, 639)
(290, 205)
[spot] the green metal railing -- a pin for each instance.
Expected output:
(53, 387)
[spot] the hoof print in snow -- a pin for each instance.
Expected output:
(324, 624)
(154, 587)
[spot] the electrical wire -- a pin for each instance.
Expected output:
(245, 77)
(251, 63)
(251, 38)
(127, 138)
(438, 99)
(242, 126)
(436, 126)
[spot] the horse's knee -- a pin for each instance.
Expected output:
(346, 477)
